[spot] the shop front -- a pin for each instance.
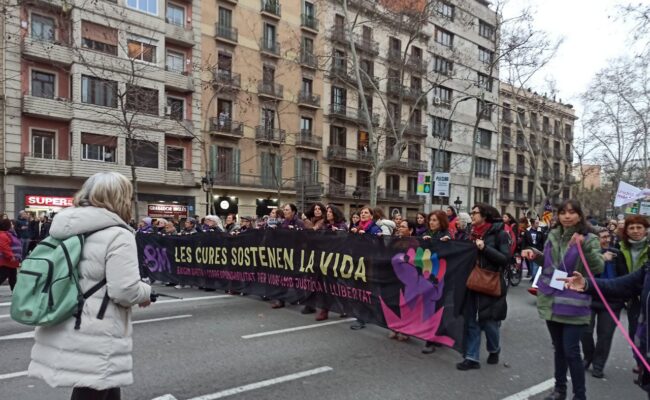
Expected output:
(171, 212)
(40, 201)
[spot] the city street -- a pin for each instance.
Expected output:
(211, 345)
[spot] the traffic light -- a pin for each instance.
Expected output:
(427, 184)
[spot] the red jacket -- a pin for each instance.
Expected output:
(7, 258)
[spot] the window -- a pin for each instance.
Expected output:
(482, 195)
(362, 140)
(446, 10)
(224, 64)
(141, 51)
(519, 186)
(394, 47)
(416, 118)
(310, 10)
(306, 87)
(484, 110)
(225, 163)
(507, 141)
(306, 125)
(413, 151)
(567, 132)
(484, 138)
(43, 84)
(99, 92)
(148, 6)
(483, 168)
(444, 37)
(556, 128)
(43, 28)
(340, 61)
(338, 98)
(390, 146)
(175, 108)
(98, 147)
(175, 62)
(307, 170)
(363, 179)
(442, 65)
(43, 144)
(175, 14)
(392, 183)
(484, 82)
(175, 158)
(99, 38)
(486, 30)
(268, 75)
(271, 167)
(546, 125)
(484, 55)
(521, 116)
(141, 99)
(141, 153)
(442, 96)
(504, 186)
(225, 20)
(268, 119)
(442, 160)
(269, 37)
(533, 121)
(441, 128)
(337, 176)
(338, 136)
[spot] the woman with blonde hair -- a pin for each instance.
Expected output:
(96, 359)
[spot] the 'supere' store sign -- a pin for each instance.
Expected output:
(47, 201)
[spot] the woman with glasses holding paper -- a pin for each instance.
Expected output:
(567, 313)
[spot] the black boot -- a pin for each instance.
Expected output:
(556, 395)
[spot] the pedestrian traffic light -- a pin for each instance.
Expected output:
(427, 184)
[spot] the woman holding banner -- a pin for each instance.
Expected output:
(567, 313)
(634, 284)
(484, 310)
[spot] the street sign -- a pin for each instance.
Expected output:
(442, 180)
(424, 183)
(644, 209)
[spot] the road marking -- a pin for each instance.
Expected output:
(262, 384)
(222, 296)
(5, 316)
(13, 375)
(30, 334)
(533, 390)
(298, 328)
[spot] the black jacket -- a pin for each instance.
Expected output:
(528, 241)
(494, 257)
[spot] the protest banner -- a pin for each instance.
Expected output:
(413, 286)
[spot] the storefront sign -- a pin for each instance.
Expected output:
(167, 211)
(441, 187)
(47, 201)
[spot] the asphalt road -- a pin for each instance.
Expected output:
(200, 348)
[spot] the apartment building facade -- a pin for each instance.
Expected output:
(536, 142)
(102, 86)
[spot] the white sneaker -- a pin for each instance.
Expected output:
(180, 287)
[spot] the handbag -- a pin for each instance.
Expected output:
(484, 281)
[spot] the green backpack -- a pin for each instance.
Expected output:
(47, 291)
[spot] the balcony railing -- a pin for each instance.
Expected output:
(507, 117)
(231, 178)
(394, 55)
(266, 134)
(507, 196)
(409, 165)
(309, 21)
(271, 7)
(270, 89)
(307, 139)
(352, 114)
(226, 125)
(226, 32)
(337, 153)
(520, 197)
(308, 99)
(227, 79)
(365, 45)
(308, 59)
(416, 130)
(507, 169)
(271, 47)
(391, 194)
(506, 142)
(569, 157)
(521, 170)
(416, 64)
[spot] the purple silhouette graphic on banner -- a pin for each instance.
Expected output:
(156, 260)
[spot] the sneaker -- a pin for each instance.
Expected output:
(467, 365)
(358, 325)
(179, 287)
(597, 373)
(428, 348)
(322, 315)
(556, 395)
(493, 358)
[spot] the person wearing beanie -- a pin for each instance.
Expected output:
(145, 225)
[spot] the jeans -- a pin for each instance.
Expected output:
(80, 393)
(566, 343)
(25, 243)
(605, 327)
(532, 266)
(473, 328)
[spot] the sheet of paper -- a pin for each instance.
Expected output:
(555, 283)
(537, 275)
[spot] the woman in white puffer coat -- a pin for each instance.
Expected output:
(96, 359)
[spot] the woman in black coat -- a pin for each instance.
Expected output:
(627, 286)
(483, 312)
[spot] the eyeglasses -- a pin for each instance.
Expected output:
(474, 212)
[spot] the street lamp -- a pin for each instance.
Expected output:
(458, 202)
(357, 196)
(207, 182)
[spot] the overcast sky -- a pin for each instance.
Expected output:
(593, 33)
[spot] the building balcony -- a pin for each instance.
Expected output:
(270, 89)
(342, 191)
(546, 175)
(569, 179)
(270, 48)
(521, 170)
(308, 59)
(340, 72)
(56, 108)
(45, 164)
(226, 80)
(506, 142)
(271, 8)
(226, 127)
(307, 140)
(349, 114)
(521, 145)
(416, 65)
(391, 194)
(507, 169)
(179, 80)
(232, 179)
(264, 134)
(520, 197)
(368, 81)
(394, 56)
(176, 127)
(181, 177)
(507, 196)
(226, 34)
(57, 52)
(569, 157)
(365, 45)
(507, 117)
(407, 165)
(180, 34)
(557, 176)
(568, 135)
(341, 154)
(557, 153)
(308, 100)
(309, 22)
(417, 131)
